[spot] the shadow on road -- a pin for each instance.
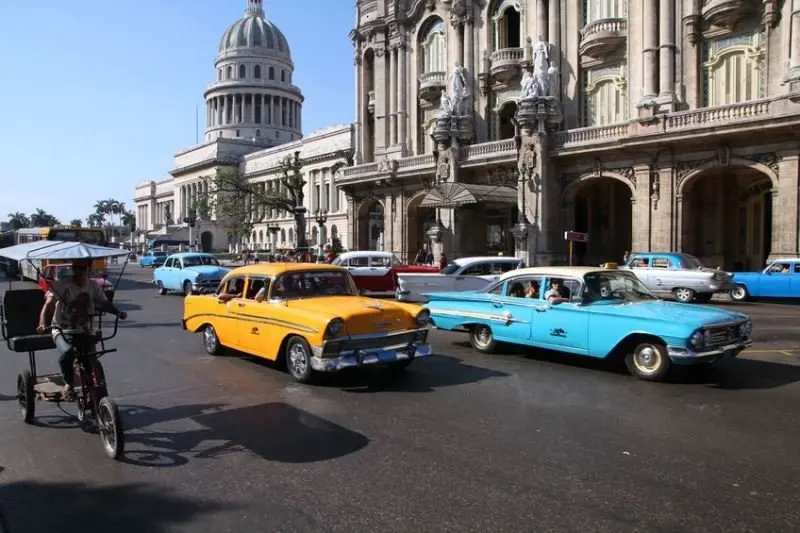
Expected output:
(128, 284)
(741, 374)
(274, 431)
(79, 507)
(425, 375)
(130, 324)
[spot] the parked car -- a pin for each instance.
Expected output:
(312, 318)
(680, 275)
(153, 259)
(604, 313)
(377, 271)
(780, 279)
(52, 273)
(465, 274)
(189, 273)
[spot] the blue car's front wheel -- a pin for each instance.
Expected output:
(482, 339)
(739, 293)
(648, 361)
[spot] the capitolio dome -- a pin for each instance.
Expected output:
(253, 34)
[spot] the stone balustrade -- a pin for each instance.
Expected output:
(612, 25)
(714, 116)
(590, 135)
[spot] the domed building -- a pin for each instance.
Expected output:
(253, 122)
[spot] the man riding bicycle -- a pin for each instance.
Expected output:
(72, 303)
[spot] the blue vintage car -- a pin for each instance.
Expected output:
(781, 279)
(153, 259)
(189, 273)
(596, 312)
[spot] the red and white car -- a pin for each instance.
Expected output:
(53, 273)
(377, 271)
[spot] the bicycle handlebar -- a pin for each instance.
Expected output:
(61, 330)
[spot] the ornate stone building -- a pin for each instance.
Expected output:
(496, 125)
(253, 121)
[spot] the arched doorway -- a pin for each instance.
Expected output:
(600, 207)
(504, 123)
(370, 225)
(726, 217)
(420, 220)
(207, 241)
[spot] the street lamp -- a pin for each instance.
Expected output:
(273, 240)
(321, 217)
(191, 220)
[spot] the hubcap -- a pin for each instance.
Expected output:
(298, 360)
(738, 292)
(683, 294)
(647, 359)
(483, 335)
(210, 339)
(107, 430)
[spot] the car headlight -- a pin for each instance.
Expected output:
(697, 339)
(746, 328)
(335, 328)
(423, 318)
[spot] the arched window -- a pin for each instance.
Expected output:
(271, 73)
(242, 71)
(334, 232)
(291, 235)
(219, 74)
(435, 48)
(314, 235)
(507, 27)
(283, 75)
(257, 72)
(283, 235)
(258, 133)
(605, 96)
(734, 69)
(237, 133)
(229, 73)
(594, 10)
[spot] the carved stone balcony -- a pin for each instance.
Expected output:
(601, 37)
(371, 102)
(506, 64)
(726, 13)
(431, 85)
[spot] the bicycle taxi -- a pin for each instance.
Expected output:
(19, 318)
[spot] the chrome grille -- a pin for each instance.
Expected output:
(722, 335)
(379, 342)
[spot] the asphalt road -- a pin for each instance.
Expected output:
(522, 442)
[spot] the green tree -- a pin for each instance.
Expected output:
(43, 218)
(76, 223)
(240, 202)
(95, 220)
(128, 220)
(18, 220)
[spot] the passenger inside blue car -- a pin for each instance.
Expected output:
(516, 290)
(558, 293)
(532, 291)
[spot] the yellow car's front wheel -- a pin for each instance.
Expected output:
(298, 359)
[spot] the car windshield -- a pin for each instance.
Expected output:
(450, 269)
(160, 254)
(312, 284)
(614, 286)
(690, 262)
(198, 260)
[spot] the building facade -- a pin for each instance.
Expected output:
(253, 122)
(496, 126)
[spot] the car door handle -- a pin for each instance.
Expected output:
(240, 304)
(540, 308)
(498, 305)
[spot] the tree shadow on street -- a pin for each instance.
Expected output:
(740, 374)
(303, 437)
(34, 507)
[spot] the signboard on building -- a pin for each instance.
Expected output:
(575, 236)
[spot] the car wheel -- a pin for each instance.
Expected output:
(739, 293)
(684, 295)
(160, 288)
(648, 361)
(298, 359)
(187, 287)
(211, 341)
(482, 339)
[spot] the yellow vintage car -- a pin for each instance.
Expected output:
(308, 316)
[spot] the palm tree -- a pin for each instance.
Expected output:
(18, 220)
(95, 220)
(76, 223)
(43, 218)
(129, 220)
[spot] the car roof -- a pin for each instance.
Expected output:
(783, 260)
(674, 254)
(566, 271)
(464, 261)
(181, 255)
(365, 253)
(276, 269)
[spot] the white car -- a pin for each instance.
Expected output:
(465, 274)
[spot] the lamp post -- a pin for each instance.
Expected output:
(321, 217)
(273, 240)
(191, 220)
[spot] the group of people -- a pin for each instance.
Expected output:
(425, 258)
(557, 293)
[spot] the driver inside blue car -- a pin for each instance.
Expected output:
(73, 303)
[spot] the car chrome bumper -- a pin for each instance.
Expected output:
(363, 350)
(204, 289)
(683, 355)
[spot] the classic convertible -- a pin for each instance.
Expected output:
(377, 271)
(309, 317)
(189, 273)
(598, 312)
(780, 279)
(464, 274)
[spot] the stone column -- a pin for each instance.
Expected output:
(554, 33)
(469, 59)
(640, 211)
(402, 113)
(649, 50)
(793, 74)
(541, 20)
(381, 63)
(360, 105)
(667, 51)
(252, 108)
(785, 208)
(392, 60)
(662, 206)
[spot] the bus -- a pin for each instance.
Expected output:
(28, 269)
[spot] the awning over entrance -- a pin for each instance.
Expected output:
(457, 194)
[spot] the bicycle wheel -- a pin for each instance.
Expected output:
(110, 425)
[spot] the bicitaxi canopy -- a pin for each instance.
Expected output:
(59, 250)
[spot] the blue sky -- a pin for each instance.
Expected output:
(98, 95)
